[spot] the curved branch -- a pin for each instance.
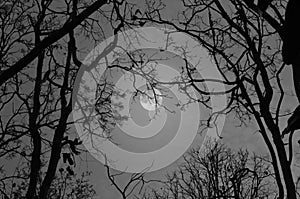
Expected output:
(52, 38)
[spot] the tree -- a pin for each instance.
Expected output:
(63, 185)
(40, 59)
(66, 186)
(52, 36)
(244, 42)
(217, 172)
(290, 49)
(135, 182)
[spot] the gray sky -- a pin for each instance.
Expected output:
(233, 135)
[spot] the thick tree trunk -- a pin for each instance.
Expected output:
(296, 79)
(35, 162)
(286, 171)
(281, 152)
(66, 109)
(34, 165)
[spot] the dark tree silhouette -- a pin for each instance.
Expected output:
(218, 172)
(263, 4)
(39, 60)
(293, 122)
(291, 41)
(245, 43)
(37, 80)
(53, 36)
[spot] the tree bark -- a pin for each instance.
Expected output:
(35, 162)
(66, 109)
(296, 79)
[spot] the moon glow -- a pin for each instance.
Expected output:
(148, 100)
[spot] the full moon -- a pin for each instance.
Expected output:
(148, 100)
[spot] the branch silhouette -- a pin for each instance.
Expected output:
(52, 38)
(291, 42)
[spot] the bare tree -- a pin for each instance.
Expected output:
(218, 172)
(64, 185)
(21, 11)
(40, 56)
(245, 43)
(134, 186)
